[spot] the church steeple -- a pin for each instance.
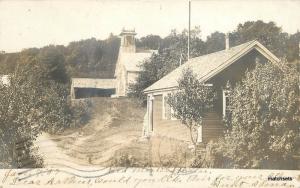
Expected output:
(128, 40)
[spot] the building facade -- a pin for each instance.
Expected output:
(126, 72)
(129, 59)
(214, 70)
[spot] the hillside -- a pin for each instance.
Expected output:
(111, 138)
(114, 124)
(85, 58)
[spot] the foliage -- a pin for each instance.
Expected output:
(265, 124)
(215, 42)
(269, 34)
(92, 58)
(80, 112)
(292, 47)
(85, 58)
(152, 42)
(54, 64)
(171, 54)
(192, 101)
(125, 159)
(173, 49)
(30, 104)
(153, 69)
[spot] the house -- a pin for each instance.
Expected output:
(126, 72)
(215, 70)
(129, 59)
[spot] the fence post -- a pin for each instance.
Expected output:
(14, 155)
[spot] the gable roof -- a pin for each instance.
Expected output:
(209, 65)
(131, 61)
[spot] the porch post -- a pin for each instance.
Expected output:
(72, 91)
(149, 128)
(199, 131)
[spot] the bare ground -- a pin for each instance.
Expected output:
(111, 138)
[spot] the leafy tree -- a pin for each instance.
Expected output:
(92, 58)
(265, 124)
(292, 53)
(29, 105)
(153, 69)
(269, 34)
(172, 53)
(191, 102)
(8, 62)
(149, 42)
(54, 62)
(215, 42)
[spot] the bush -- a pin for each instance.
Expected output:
(80, 112)
(265, 125)
(126, 160)
(29, 105)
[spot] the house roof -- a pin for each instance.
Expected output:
(131, 61)
(209, 65)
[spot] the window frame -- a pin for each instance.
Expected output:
(225, 106)
(164, 109)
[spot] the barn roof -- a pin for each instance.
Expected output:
(131, 61)
(209, 65)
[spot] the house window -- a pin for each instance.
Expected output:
(226, 103)
(166, 108)
(168, 112)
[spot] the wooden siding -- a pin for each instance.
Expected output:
(212, 125)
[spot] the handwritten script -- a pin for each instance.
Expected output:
(147, 177)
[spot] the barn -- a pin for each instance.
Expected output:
(215, 70)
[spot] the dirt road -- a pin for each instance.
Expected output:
(112, 137)
(114, 124)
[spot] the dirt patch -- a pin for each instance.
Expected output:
(111, 137)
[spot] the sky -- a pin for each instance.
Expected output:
(37, 23)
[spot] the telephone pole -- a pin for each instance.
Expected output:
(189, 31)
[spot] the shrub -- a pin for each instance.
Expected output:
(29, 105)
(265, 125)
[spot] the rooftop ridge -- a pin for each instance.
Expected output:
(217, 61)
(231, 48)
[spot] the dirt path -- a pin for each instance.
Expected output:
(113, 132)
(97, 142)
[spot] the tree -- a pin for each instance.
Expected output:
(215, 42)
(265, 124)
(293, 47)
(92, 58)
(54, 63)
(191, 102)
(269, 34)
(149, 42)
(172, 53)
(29, 105)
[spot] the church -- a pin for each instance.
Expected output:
(126, 72)
(129, 59)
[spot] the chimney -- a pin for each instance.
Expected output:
(226, 41)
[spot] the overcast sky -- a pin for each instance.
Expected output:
(37, 23)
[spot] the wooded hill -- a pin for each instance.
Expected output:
(97, 58)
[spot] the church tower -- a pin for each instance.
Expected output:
(128, 41)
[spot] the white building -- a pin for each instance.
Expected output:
(126, 72)
(128, 62)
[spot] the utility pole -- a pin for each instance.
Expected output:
(189, 31)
